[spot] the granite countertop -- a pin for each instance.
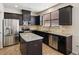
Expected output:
(55, 31)
(30, 37)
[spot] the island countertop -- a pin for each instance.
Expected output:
(30, 37)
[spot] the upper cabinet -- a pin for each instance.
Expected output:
(26, 15)
(20, 19)
(65, 15)
(11, 15)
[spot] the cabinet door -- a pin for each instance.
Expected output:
(34, 47)
(62, 44)
(7, 15)
(11, 15)
(26, 15)
(46, 40)
(65, 16)
(20, 20)
(45, 35)
(23, 46)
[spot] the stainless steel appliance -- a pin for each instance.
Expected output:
(53, 41)
(11, 29)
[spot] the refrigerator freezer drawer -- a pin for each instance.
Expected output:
(9, 40)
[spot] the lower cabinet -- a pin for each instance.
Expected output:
(23, 48)
(46, 38)
(43, 34)
(61, 43)
(31, 48)
(34, 48)
(65, 44)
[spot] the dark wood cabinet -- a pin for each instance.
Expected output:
(20, 19)
(43, 34)
(65, 15)
(12, 15)
(65, 44)
(31, 48)
(37, 20)
(23, 46)
(7, 15)
(46, 38)
(34, 47)
(61, 43)
(26, 15)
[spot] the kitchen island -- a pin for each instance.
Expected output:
(30, 44)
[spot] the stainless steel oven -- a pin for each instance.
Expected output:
(53, 41)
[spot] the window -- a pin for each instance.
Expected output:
(46, 19)
(51, 19)
(55, 18)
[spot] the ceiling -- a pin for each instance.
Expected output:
(35, 7)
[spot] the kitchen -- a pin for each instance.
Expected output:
(52, 26)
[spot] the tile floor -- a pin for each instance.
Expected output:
(15, 50)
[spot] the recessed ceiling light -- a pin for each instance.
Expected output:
(16, 6)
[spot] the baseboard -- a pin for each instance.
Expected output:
(73, 53)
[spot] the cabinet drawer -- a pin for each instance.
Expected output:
(34, 47)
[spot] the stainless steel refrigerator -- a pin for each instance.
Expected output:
(11, 29)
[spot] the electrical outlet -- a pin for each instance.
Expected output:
(77, 46)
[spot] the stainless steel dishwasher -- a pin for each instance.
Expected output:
(53, 41)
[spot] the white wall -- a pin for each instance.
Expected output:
(33, 14)
(75, 27)
(75, 23)
(1, 19)
(12, 10)
(18, 11)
